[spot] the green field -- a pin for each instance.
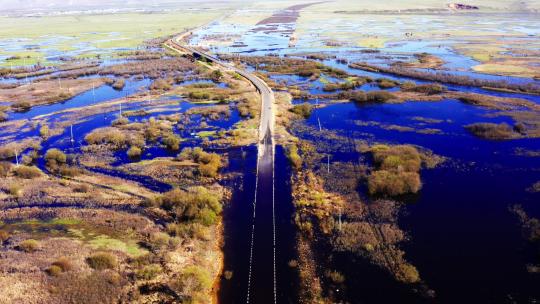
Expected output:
(88, 35)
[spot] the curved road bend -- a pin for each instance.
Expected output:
(261, 284)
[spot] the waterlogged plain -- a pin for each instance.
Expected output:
(406, 162)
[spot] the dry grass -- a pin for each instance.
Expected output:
(26, 96)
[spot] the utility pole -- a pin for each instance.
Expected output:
(339, 219)
(26, 74)
(17, 157)
(328, 156)
(93, 92)
(71, 129)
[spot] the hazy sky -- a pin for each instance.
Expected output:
(74, 4)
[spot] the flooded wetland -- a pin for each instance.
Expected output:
(270, 152)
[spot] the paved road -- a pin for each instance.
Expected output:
(267, 96)
(261, 283)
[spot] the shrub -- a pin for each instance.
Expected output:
(159, 240)
(172, 141)
(335, 276)
(358, 96)
(29, 245)
(21, 106)
(54, 271)
(379, 96)
(491, 130)
(303, 110)
(160, 84)
(207, 217)
(199, 95)
(27, 172)
(408, 85)
(120, 121)
(227, 274)
(44, 131)
(55, 157)
(216, 75)
(119, 84)
(294, 158)
(5, 167)
(102, 260)
(430, 89)
(209, 163)
(209, 170)
(149, 272)
(82, 188)
(106, 136)
(192, 280)
(399, 157)
(393, 183)
(56, 161)
(408, 273)
(384, 83)
(68, 171)
(134, 152)
(15, 190)
(197, 204)
(397, 170)
(63, 263)
(3, 117)
(4, 236)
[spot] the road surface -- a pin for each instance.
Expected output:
(261, 283)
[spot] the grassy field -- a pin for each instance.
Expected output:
(89, 34)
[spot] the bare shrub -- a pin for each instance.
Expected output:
(171, 141)
(54, 271)
(303, 110)
(119, 84)
(430, 89)
(379, 96)
(134, 152)
(55, 158)
(4, 236)
(197, 204)
(106, 136)
(29, 245)
(385, 83)
(5, 168)
(393, 183)
(193, 280)
(397, 170)
(294, 158)
(27, 172)
(491, 130)
(209, 163)
(102, 260)
(408, 273)
(149, 272)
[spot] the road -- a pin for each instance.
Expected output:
(261, 282)
(267, 95)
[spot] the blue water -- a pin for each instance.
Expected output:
(463, 239)
(99, 94)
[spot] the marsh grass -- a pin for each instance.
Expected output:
(491, 130)
(397, 170)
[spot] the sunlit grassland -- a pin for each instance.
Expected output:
(97, 238)
(92, 34)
